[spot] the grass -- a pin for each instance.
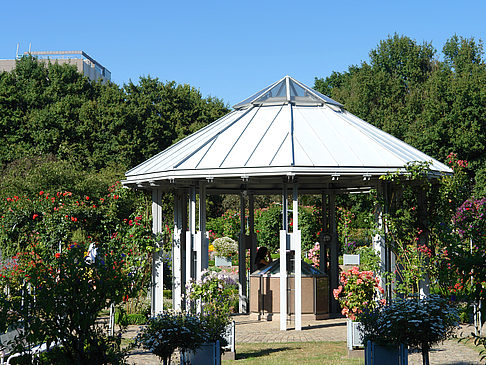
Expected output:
(302, 353)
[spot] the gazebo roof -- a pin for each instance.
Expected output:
(287, 129)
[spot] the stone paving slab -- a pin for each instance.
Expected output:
(252, 331)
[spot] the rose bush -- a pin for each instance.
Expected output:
(359, 290)
(54, 293)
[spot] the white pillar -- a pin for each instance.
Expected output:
(201, 238)
(243, 300)
(178, 264)
(296, 238)
(190, 241)
(157, 305)
(283, 262)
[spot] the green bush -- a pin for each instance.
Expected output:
(126, 319)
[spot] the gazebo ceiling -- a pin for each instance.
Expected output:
(287, 130)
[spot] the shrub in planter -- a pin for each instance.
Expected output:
(417, 323)
(225, 247)
(167, 332)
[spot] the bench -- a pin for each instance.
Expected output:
(7, 341)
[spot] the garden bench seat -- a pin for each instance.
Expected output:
(6, 347)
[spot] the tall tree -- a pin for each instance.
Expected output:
(437, 106)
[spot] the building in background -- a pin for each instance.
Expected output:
(86, 65)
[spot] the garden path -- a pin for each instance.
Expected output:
(251, 331)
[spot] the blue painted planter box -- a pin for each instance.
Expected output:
(385, 354)
(207, 354)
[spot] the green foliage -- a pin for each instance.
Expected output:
(126, 319)
(167, 332)
(55, 294)
(437, 106)
(368, 259)
(360, 290)
(268, 223)
(56, 298)
(228, 225)
(53, 109)
(217, 291)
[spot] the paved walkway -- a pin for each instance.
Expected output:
(251, 331)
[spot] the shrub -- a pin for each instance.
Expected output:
(126, 319)
(225, 247)
(358, 292)
(167, 332)
(417, 323)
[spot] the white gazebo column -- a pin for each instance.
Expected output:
(296, 242)
(157, 304)
(243, 298)
(201, 237)
(190, 240)
(178, 262)
(283, 262)
(334, 260)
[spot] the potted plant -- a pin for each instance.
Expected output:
(415, 323)
(168, 331)
(224, 248)
(360, 290)
(218, 294)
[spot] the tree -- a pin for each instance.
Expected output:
(437, 106)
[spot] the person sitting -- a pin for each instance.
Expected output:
(262, 258)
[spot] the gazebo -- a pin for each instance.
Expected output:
(286, 139)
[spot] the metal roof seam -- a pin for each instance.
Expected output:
(337, 132)
(318, 137)
(394, 142)
(178, 144)
(239, 137)
(292, 161)
(278, 149)
(263, 136)
(212, 138)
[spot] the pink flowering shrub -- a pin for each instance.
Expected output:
(314, 254)
(359, 290)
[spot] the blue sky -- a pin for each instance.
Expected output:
(230, 49)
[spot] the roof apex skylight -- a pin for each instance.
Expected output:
(287, 90)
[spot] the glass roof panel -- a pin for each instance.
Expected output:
(298, 93)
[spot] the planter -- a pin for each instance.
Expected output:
(385, 354)
(222, 261)
(206, 354)
(354, 335)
